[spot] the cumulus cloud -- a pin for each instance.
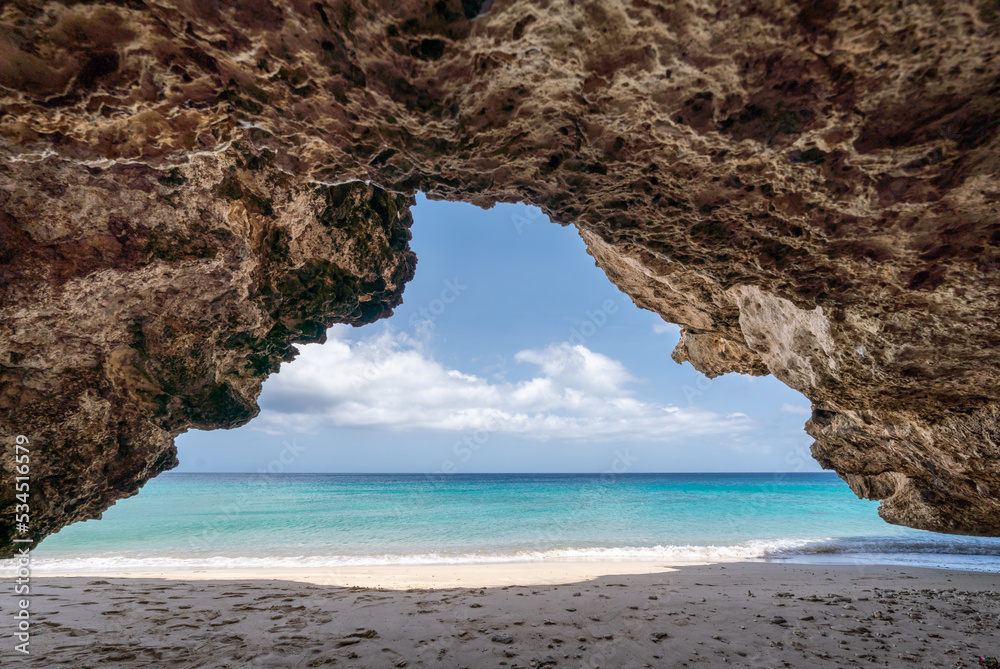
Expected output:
(796, 409)
(390, 382)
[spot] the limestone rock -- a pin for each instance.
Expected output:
(140, 303)
(808, 189)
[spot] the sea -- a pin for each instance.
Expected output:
(181, 521)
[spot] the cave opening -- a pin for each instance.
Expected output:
(508, 332)
(513, 369)
(188, 191)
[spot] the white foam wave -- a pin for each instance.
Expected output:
(963, 551)
(686, 553)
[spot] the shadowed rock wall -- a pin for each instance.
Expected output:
(808, 188)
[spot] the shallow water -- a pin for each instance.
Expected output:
(195, 521)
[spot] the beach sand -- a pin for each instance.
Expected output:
(610, 615)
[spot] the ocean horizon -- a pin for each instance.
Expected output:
(185, 521)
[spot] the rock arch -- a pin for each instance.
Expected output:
(808, 188)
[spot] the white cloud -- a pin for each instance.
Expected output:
(389, 382)
(663, 327)
(796, 409)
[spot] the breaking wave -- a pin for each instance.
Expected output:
(961, 553)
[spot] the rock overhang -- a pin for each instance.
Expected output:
(808, 189)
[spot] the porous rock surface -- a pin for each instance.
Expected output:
(808, 188)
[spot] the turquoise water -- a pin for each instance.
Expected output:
(247, 520)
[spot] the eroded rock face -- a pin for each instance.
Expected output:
(808, 188)
(140, 303)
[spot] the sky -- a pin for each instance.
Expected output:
(511, 352)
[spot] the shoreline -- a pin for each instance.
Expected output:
(478, 575)
(692, 615)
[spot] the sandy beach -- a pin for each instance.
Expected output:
(520, 616)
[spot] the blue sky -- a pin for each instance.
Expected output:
(511, 352)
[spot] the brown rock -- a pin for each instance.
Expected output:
(809, 189)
